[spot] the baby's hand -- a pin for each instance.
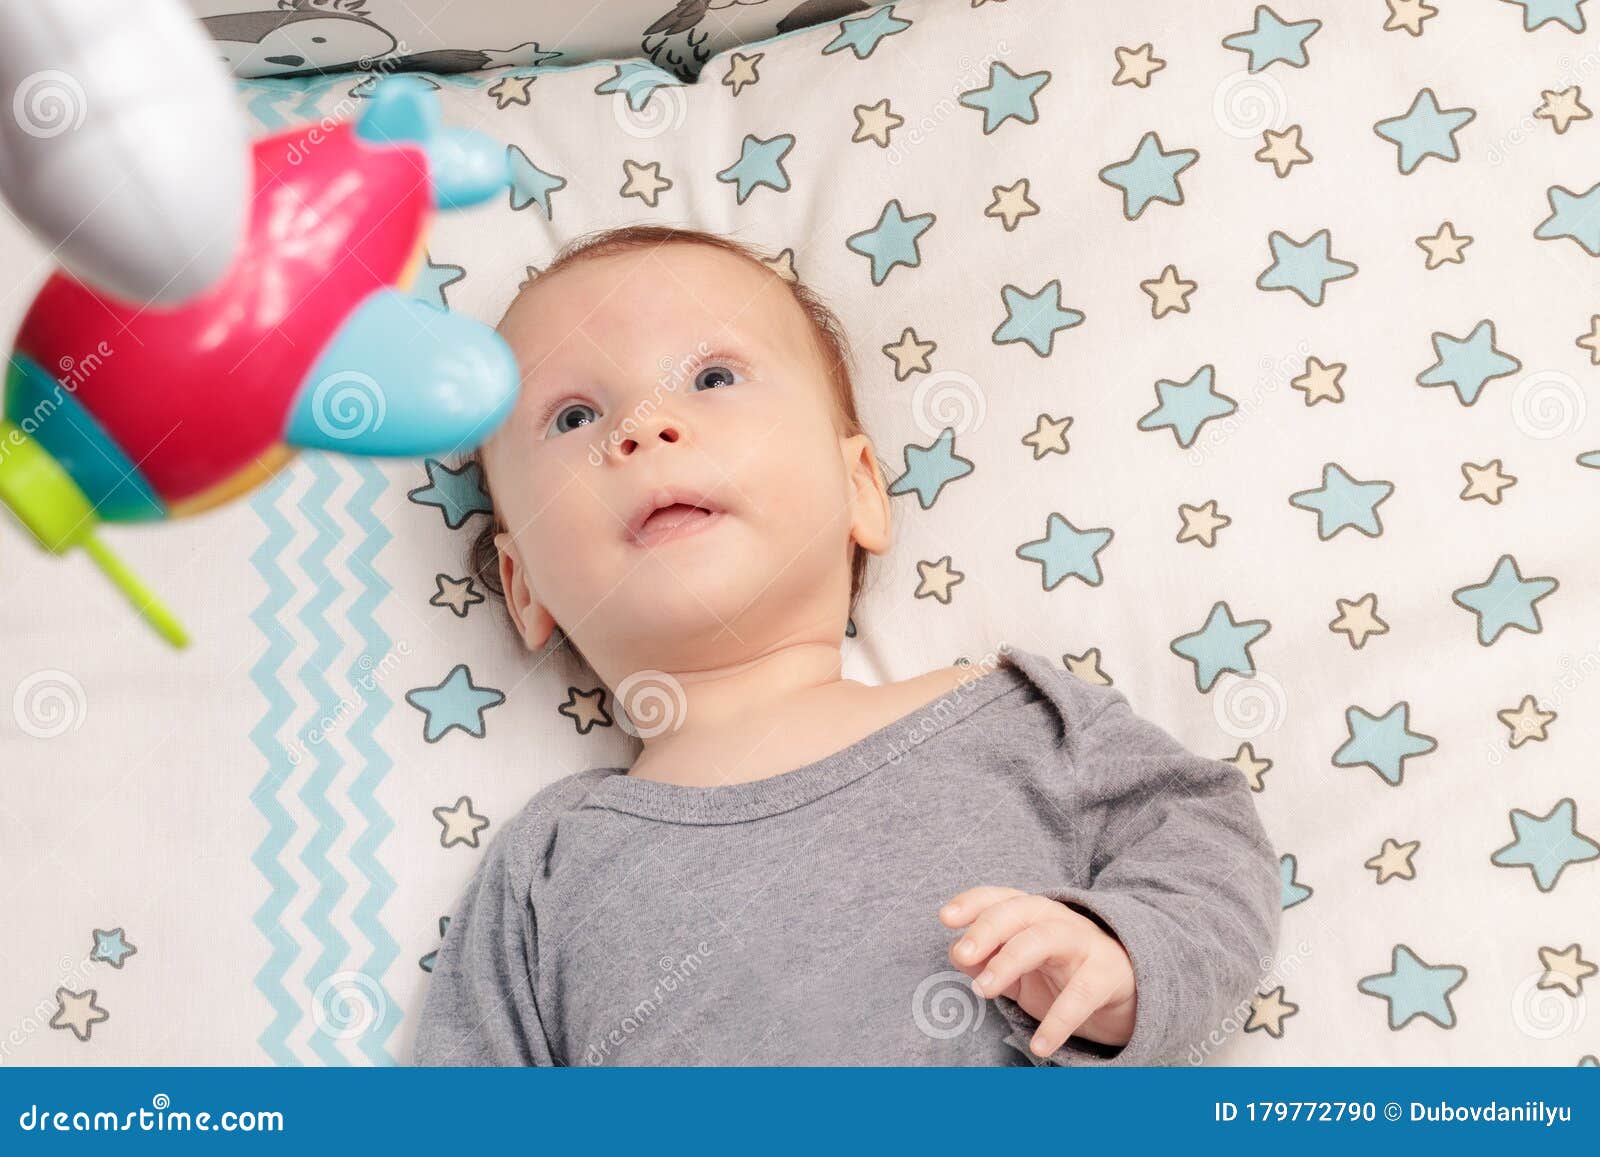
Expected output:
(1057, 964)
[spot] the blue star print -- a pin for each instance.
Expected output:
(1574, 215)
(1536, 13)
(1221, 645)
(530, 185)
(1342, 501)
(1272, 40)
(1149, 175)
(1414, 988)
(111, 947)
(457, 493)
(429, 959)
(457, 702)
(1505, 599)
(863, 34)
(1304, 267)
(1382, 742)
(638, 79)
(1546, 844)
(1007, 96)
(1187, 406)
(892, 241)
(1291, 890)
(1468, 363)
(930, 468)
(760, 163)
(433, 279)
(1426, 130)
(1035, 318)
(1065, 551)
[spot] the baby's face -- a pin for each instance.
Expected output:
(682, 374)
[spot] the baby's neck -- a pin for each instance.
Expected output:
(773, 715)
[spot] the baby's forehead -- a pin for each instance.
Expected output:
(686, 286)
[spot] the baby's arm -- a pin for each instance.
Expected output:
(1180, 871)
(480, 1007)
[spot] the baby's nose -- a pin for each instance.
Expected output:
(653, 430)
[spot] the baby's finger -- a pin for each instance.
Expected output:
(1023, 953)
(1087, 990)
(962, 908)
(999, 922)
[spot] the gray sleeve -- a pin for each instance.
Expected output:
(1180, 871)
(480, 1007)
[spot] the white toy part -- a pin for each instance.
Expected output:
(123, 149)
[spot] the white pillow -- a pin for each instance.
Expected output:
(294, 37)
(311, 887)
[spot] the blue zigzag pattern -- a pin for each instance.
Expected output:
(372, 705)
(375, 761)
(280, 827)
(330, 884)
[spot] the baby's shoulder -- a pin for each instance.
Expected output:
(524, 841)
(1076, 701)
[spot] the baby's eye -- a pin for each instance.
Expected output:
(713, 377)
(569, 418)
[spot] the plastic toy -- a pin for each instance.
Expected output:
(121, 413)
(127, 95)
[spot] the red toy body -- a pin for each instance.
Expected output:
(325, 231)
(119, 411)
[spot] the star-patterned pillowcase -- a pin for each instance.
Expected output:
(298, 37)
(1237, 356)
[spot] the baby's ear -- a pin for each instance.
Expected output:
(528, 615)
(869, 500)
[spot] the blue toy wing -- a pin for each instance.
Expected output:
(403, 378)
(465, 167)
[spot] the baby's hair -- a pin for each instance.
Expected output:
(483, 557)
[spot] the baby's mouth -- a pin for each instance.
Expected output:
(674, 521)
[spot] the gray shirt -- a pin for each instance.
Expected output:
(794, 919)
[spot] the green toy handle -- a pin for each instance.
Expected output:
(143, 600)
(49, 503)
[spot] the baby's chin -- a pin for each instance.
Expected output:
(689, 596)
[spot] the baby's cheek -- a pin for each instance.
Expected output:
(812, 501)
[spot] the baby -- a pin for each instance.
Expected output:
(684, 494)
